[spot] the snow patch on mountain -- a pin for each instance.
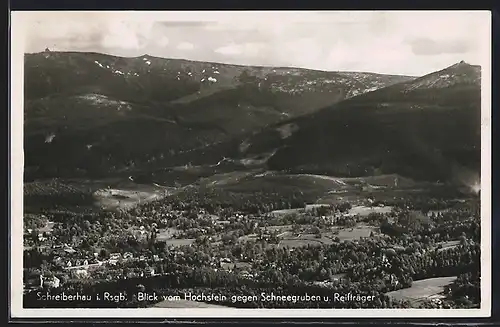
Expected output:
(102, 100)
(287, 130)
(49, 138)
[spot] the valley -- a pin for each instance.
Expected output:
(171, 176)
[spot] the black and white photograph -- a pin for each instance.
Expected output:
(250, 164)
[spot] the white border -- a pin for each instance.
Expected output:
(17, 164)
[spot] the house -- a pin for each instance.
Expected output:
(80, 273)
(149, 272)
(338, 277)
(128, 255)
(85, 262)
(394, 280)
(156, 257)
(142, 258)
(246, 274)
(69, 264)
(41, 238)
(115, 256)
(57, 260)
(132, 274)
(49, 282)
(69, 250)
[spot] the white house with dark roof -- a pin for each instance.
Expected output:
(49, 282)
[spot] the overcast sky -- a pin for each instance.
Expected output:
(411, 43)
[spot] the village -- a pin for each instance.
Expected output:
(181, 242)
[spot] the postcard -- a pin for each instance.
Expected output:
(250, 164)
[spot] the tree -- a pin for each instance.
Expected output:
(104, 253)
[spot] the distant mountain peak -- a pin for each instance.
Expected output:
(459, 73)
(464, 65)
(459, 64)
(145, 56)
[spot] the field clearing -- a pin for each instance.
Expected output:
(448, 245)
(54, 187)
(246, 238)
(304, 240)
(225, 178)
(110, 199)
(284, 212)
(277, 228)
(353, 198)
(166, 234)
(49, 226)
(350, 234)
(423, 289)
(315, 205)
(390, 180)
(365, 211)
(110, 193)
(180, 242)
(236, 265)
(309, 207)
(274, 182)
(187, 304)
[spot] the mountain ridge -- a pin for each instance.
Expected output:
(88, 105)
(399, 116)
(222, 63)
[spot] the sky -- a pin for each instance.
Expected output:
(391, 42)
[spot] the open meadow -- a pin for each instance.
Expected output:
(423, 289)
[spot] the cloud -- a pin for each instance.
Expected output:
(185, 46)
(231, 49)
(429, 47)
(248, 49)
(304, 50)
(163, 41)
(186, 23)
(121, 35)
(86, 29)
(412, 43)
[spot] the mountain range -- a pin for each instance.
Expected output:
(89, 114)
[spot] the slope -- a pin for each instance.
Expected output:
(428, 128)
